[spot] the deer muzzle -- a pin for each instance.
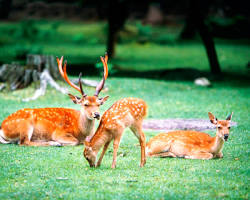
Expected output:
(96, 115)
(226, 137)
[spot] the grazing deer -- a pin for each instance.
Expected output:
(191, 144)
(127, 112)
(56, 126)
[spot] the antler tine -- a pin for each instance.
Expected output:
(80, 83)
(64, 73)
(59, 63)
(106, 66)
(105, 75)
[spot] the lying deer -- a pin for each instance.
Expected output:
(127, 112)
(191, 144)
(56, 126)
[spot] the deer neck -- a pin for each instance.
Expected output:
(86, 125)
(217, 144)
(99, 139)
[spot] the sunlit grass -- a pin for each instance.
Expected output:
(50, 172)
(63, 173)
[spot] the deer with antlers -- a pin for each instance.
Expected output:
(191, 144)
(56, 126)
(127, 112)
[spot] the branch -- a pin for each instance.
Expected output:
(45, 78)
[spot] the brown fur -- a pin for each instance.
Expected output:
(56, 126)
(127, 112)
(190, 144)
(51, 126)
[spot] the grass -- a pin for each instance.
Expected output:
(63, 173)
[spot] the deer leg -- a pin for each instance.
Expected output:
(26, 135)
(116, 144)
(137, 130)
(200, 155)
(36, 143)
(219, 155)
(102, 154)
(64, 138)
(164, 154)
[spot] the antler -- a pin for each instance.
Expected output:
(99, 87)
(65, 76)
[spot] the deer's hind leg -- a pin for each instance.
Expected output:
(137, 130)
(27, 130)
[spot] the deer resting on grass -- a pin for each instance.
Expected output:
(127, 112)
(56, 126)
(191, 144)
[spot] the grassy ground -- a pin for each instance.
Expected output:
(63, 173)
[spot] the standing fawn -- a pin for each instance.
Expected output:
(191, 144)
(127, 112)
(56, 126)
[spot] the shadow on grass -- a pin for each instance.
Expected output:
(233, 79)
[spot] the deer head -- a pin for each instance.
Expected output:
(89, 154)
(89, 104)
(222, 126)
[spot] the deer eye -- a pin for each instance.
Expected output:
(86, 104)
(229, 127)
(219, 127)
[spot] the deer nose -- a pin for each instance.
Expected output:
(226, 137)
(96, 115)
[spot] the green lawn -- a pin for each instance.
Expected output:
(63, 173)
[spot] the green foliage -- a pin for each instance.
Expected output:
(144, 32)
(22, 51)
(111, 68)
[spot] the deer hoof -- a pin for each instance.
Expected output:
(56, 144)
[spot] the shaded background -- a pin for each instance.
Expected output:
(170, 40)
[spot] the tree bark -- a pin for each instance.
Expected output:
(117, 15)
(196, 22)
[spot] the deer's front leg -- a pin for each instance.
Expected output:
(219, 155)
(200, 155)
(164, 154)
(103, 152)
(64, 138)
(116, 146)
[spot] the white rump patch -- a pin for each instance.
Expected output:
(2, 138)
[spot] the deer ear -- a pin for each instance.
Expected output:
(212, 118)
(75, 99)
(229, 117)
(103, 100)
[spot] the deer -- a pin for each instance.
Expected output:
(126, 112)
(191, 144)
(57, 126)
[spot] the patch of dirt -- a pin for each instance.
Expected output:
(179, 124)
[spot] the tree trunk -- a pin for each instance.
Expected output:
(196, 22)
(5, 8)
(117, 15)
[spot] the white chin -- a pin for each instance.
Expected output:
(90, 118)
